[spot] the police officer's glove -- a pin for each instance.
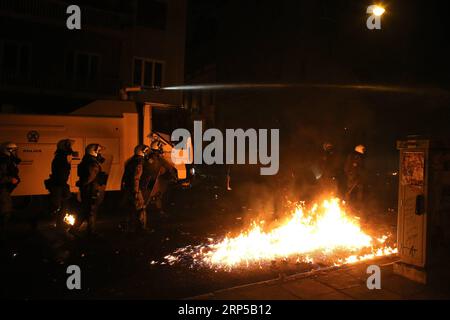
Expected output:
(95, 195)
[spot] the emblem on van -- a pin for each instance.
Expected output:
(33, 136)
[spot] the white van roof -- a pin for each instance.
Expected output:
(107, 108)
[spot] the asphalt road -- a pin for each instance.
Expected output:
(117, 265)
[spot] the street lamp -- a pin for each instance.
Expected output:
(378, 11)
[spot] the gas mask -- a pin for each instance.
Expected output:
(65, 147)
(10, 149)
(156, 148)
(16, 160)
(73, 154)
(95, 151)
(100, 158)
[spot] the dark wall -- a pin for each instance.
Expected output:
(327, 42)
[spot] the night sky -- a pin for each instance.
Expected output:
(411, 48)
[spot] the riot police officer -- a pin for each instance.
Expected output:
(135, 186)
(329, 165)
(160, 173)
(9, 180)
(57, 183)
(91, 179)
(355, 173)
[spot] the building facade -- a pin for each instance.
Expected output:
(121, 44)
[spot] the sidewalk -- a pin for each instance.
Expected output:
(346, 283)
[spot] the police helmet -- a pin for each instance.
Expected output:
(327, 146)
(65, 146)
(9, 148)
(94, 149)
(361, 149)
(141, 150)
(156, 147)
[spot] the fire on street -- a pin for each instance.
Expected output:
(129, 265)
(323, 233)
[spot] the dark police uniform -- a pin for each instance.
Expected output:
(8, 171)
(140, 178)
(91, 178)
(159, 173)
(355, 172)
(134, 187)
(57, 185)
(329, 165)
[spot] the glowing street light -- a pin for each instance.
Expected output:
(378, 11)
(374, 20)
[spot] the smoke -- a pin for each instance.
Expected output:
(307, 119)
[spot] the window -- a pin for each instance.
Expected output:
(137, 77)
(82, 66)
(16, 60)
(147, 72)
(158, 75)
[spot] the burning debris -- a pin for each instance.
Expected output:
(321, 234)
(69, 219)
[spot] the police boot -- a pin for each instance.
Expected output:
(131, 225)
(74, 230)
(91, 226)
(143, 219)
(59, 218)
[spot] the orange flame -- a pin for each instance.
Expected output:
(320, 231)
